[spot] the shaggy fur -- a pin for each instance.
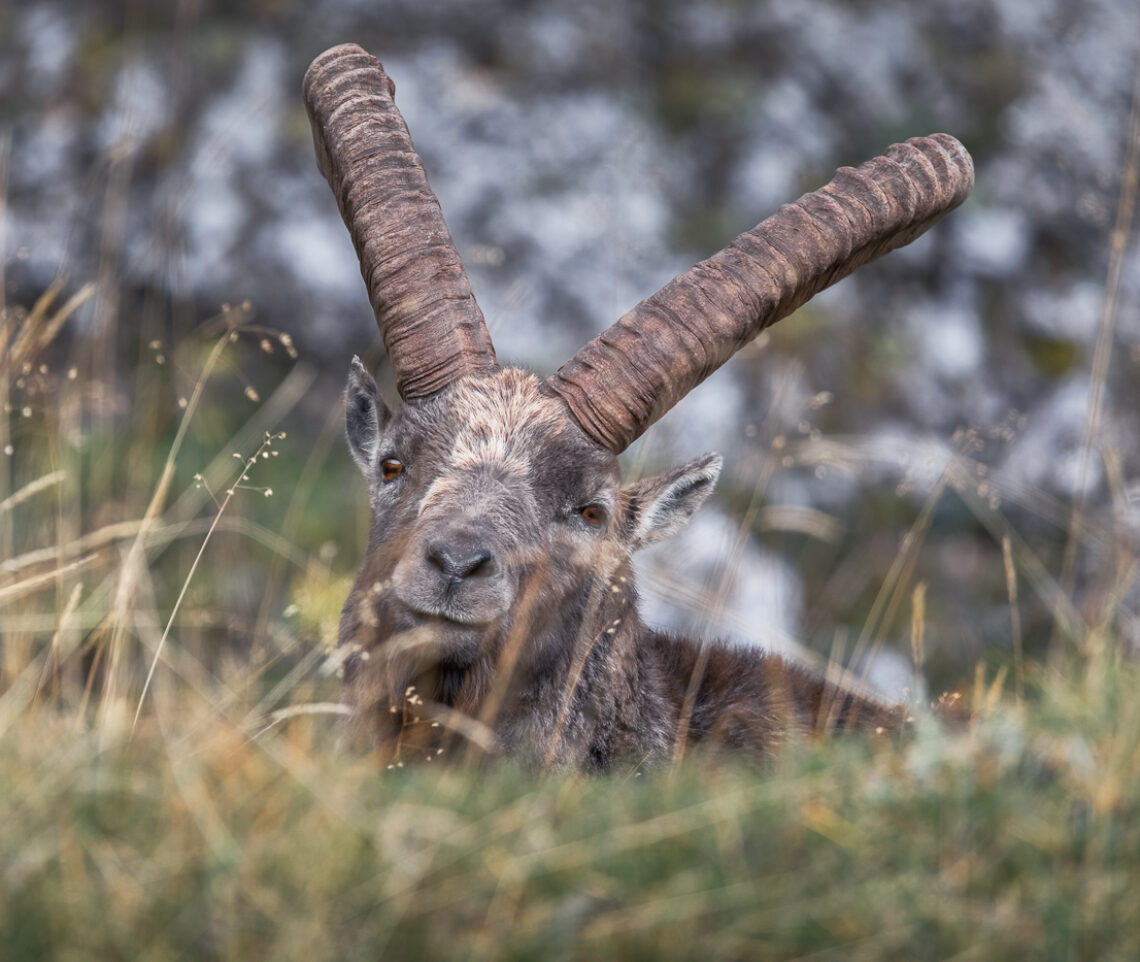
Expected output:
(496, 602)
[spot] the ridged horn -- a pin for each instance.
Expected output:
(629, 376)
(432, 328)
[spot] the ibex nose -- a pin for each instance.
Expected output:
(461, 560)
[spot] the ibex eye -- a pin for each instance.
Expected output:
(390, 469)
(593, 514)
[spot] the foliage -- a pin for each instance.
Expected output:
(208, 810)
(1017, 838)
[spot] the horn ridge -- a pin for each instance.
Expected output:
(629, 376)
(432, 327)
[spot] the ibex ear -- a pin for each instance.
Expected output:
(365, 415)
(662, 505)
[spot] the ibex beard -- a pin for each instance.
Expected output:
(498, 587)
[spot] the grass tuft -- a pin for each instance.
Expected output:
(173, 784)
(1017, 838)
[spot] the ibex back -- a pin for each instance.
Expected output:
(497, 594)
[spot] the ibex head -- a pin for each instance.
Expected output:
(491, 504)
(498, 506)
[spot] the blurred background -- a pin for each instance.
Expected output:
(935, 461)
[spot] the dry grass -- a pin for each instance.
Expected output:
(172, 785)
(213, 814)
(1018, 839)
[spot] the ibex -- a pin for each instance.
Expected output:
(497, 586)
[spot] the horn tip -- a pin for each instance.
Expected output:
(332, 59)
(957, 157)
(335, 53)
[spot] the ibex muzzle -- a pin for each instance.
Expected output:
(497, 583)
(460, 568)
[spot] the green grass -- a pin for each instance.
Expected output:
(228, 822)
(1019, 838)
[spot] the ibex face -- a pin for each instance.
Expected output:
(494, 513)
(498, 561)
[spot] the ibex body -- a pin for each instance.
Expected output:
(497, 584)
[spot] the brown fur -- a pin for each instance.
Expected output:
(496, 597)
(539, 652)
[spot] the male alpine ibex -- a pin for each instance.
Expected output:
(497, 587)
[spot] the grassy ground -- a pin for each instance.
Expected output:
(198, 838)
(171, 784)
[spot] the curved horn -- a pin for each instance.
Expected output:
(629, 376)
(432, 327)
